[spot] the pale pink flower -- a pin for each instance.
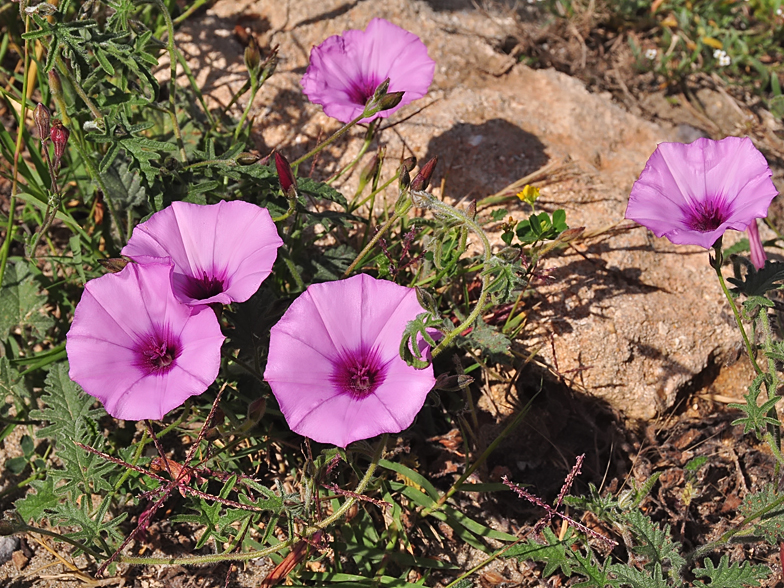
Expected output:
(221, 252)
(346, 69)
(334, 363)
(138, 349)
(692, 193)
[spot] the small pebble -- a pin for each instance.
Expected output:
(8, 545)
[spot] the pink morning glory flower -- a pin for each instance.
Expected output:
(334, 363)
(221, 252)
(692, 193)
(138, 349)
(346, 69)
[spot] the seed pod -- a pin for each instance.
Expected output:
(41, 117)
(252, 56)
(410, 163)
(246, 158)
(55, 85)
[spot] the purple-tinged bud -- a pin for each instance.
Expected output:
(270, 64)
(410, 163)
(422, 179)
(41, 118)
(59, 136)
(288, 182)
(246, 158)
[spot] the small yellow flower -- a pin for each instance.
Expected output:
(529, 194)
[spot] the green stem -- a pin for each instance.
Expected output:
(171, 49)
(362, 150)
(308, 532)
(380, 233)
(193, 8)
(486, 276)
(97, 115)
(749, 349)
(254, 88)
(482, 458)
(9, 232)
(339, 133)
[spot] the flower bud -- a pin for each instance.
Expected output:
(404, 180)
(471, 210)
(59, 136)
(453, 383)
(369, 171)
(55, 85)
(114, 264)
(41, 117)
(422, 179)
(288, 182)
(381, 90)
(246, 158)
(389, 101)
(270, 64)
(256, 409)
(252, 56)
(410, 163)
(7, 528)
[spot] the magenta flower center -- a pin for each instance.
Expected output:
(157, 354)
(204, 287)
(358, 373)
(707, 216)
(362, 90)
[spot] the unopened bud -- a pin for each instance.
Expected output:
(252, 56)
(256, 409)
(246, 158)
(288, 182)
(404, 180)
(389, 101)
(114, 264)
(41, 117)
(410, 163)
(7, 528)
(270, 64)
(422, 179)
(453, 383)
(426, 300)
(471, 210)
(55, 85)
(59, 136)
(370, 170)
(381, 90)
(571, 234)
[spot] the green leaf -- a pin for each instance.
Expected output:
(757, 282)
(22, 302)
(34, 505)
(630, 576)
(756, 418)
(730, 576)
(765, 506)
(556, 554)
(654, 543)
(125, 187)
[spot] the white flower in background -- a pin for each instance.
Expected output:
(724, 59)
(780, 11)
(651, 54)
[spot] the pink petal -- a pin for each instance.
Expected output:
(115, 320)
(234, 242)
(345, 69)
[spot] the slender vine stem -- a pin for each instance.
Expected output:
(335, 136)
(255, 554)
(172, 50)
(10, 228)
(399, 213)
